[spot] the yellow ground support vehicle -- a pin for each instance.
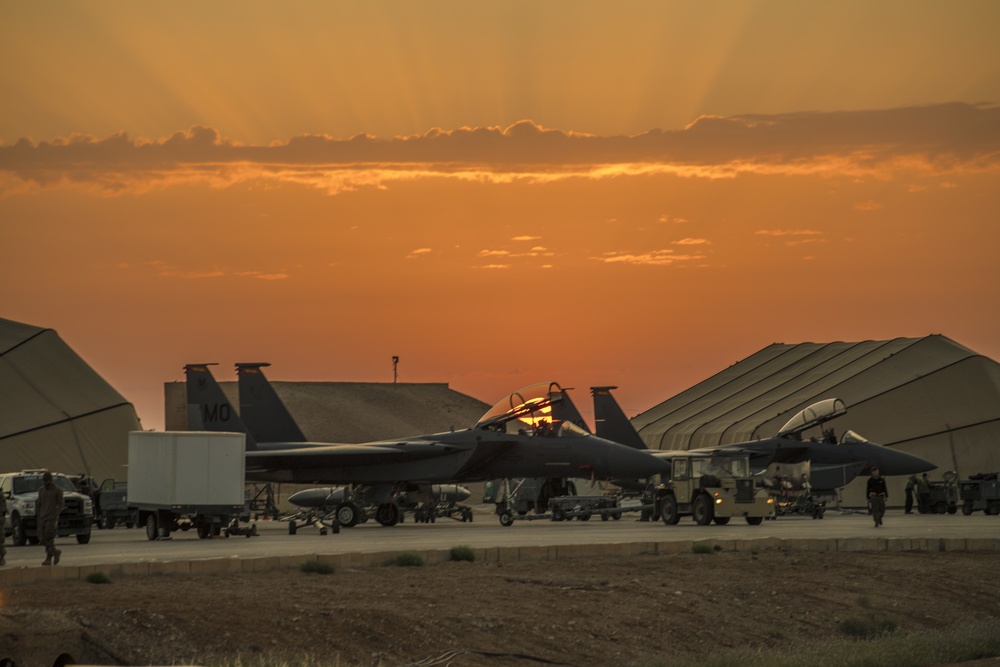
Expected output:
(713, 488)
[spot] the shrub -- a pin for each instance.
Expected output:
(316, 567)
(867, 627)
(98, 578)
(463, 553)
(409, 559)
(702, 548)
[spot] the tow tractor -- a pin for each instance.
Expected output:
(980, 492)
(713, 488)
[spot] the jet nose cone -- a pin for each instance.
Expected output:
(894, 462)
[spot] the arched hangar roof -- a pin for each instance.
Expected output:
(56, 411)
(929, 396)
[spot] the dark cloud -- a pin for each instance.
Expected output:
(945, 136)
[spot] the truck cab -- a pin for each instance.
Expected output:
(21, 490)
(712, 488)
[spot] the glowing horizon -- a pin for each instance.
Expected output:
(497, 192)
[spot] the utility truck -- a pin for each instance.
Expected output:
(713, 488)
(178, 480)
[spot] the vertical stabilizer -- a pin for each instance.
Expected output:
(563, 409)
(611, 422)
(208, 407)
(263, 411)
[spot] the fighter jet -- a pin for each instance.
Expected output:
(832, 464)
(515, 438)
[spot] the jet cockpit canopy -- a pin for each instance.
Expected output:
(529, 410)
(814, 415)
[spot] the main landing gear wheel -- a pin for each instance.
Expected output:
(348, 515)
(387, 514)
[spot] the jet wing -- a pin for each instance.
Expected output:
(325, 456)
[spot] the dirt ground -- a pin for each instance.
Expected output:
(586, 611)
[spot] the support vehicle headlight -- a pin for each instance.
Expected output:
(28, 509)
(88, 506)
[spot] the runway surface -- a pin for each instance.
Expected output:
(130, 545)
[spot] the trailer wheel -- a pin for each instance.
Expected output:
(204, 530)
(703, 510)
(993, 508)
(952, 508)
(755, 520)
(348, 514)
(721, 520)
(668, 511)
(558, 514)
(83, 538)
(604, 516)
(616, 516)
(151, 527)
(967, 508)
(506, 519)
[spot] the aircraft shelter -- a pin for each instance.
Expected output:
(926, 396)
(56, 412)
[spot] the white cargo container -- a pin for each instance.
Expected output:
(183, 479)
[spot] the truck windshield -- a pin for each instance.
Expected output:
(31, 483)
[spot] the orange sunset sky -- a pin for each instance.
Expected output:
(499, 192)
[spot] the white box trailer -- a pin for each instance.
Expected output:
(183, 479)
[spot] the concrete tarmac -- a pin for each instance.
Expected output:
(122, 545)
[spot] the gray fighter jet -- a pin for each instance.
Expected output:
(516, 438)
(832, 464)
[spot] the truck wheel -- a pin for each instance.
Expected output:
(755, 520)
(83, 538)
(668, 511)
(506, 519)
(151, 527)
(703, 510)
(940, 507)
(967, 508)
(721, 520)
(17, 535)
